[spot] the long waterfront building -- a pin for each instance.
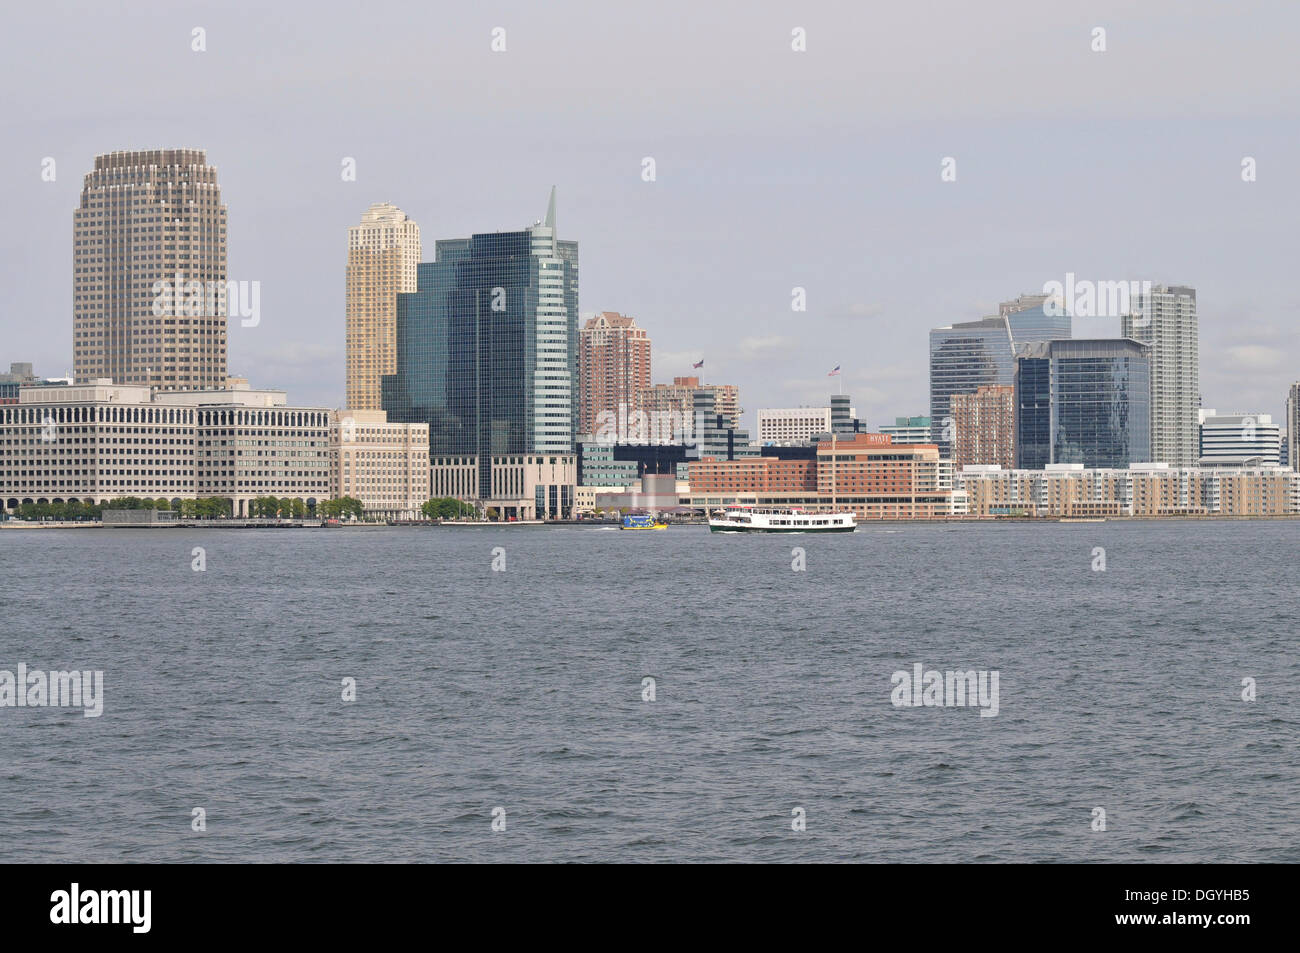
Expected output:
(97, 441)
(866, 474)
(1149, 490)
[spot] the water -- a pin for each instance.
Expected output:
(522, 690)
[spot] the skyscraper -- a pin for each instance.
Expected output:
(973, 354)
(984, 427)
(1293, 426)
(149, 272)
(383, 252)
(487, 352)
(1083, 401)
(1166, 319)
(614, 366)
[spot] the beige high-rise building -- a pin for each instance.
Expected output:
(984, 427)
(382, 254)
(613, 367)
(149, 272)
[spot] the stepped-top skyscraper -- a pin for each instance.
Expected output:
(383, 252)
(614, 367)
(487, 349)
(1166, 319)
(148, 220)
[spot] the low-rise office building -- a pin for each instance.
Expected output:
(1235, 437)
(524, 486)
(788, 425)
(383, 464)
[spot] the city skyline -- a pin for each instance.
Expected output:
(128, 189)
(1113, 210)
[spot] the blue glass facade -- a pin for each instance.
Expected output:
(970, 355)
(1083, 401)
(487, 347)
(1029, 325)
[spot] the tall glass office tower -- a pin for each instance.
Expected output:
(1083, 401)
(970, 355)
(487, 346)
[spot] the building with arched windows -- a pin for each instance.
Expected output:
(98, 441)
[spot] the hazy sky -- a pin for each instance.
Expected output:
(775, 168)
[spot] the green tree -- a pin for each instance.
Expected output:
(342, 507)
(446, 508)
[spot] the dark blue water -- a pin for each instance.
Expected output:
(522, 690)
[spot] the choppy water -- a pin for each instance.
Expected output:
(522, 689)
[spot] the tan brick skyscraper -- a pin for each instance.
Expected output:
(613, 367)
(984, 427)
(382, 254)
(148, 218)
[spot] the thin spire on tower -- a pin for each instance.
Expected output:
(550, 210)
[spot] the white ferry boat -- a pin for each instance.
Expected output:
(768, 519)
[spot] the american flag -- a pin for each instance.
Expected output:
(699, 363)
(834, 372)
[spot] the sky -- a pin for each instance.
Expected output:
(775, 168)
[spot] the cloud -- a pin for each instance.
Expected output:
(752, 347)
(665, 365)
(1254, 356)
